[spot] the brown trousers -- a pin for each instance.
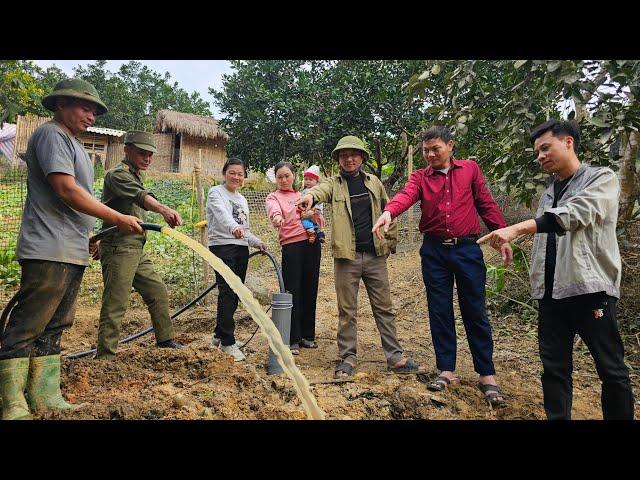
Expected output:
(46, 305)
(373, 272)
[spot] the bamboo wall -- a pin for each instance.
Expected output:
(214, 155)
(115, 154)
(163, 158)
(25, 126)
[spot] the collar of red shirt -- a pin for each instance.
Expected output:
(430, 171)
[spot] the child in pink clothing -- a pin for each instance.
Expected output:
(300, 258)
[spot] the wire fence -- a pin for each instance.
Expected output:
(182, 270)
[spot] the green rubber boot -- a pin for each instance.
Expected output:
(43, 388)
(13, 380)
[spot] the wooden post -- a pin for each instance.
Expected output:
(410, 160)
(409, 168)
(201, 216)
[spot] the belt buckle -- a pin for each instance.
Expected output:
(450, 242)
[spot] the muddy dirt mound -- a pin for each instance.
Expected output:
(193, 383)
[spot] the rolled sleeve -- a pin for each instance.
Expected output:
(143, 195)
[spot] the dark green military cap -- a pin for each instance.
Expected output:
(74, 88)
(140, 139)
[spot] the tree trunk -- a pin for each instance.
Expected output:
(400, 167)
(378, 170)
(581, 111)
(629, 182)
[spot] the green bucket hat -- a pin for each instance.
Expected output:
(350, 142)
(75, 88)
(143, 140)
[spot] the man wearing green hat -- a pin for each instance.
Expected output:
(52, 248)
(124, 263)
(357, 198)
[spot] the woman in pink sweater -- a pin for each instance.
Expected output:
(300, 258)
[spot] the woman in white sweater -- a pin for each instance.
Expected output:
(229, 240)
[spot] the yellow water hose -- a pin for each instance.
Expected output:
(269, 330)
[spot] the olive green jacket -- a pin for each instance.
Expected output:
(124, 192)
(335, 192)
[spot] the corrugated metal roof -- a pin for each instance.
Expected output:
(106, 131)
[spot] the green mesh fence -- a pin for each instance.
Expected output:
(182, 270)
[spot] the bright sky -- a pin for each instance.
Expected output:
(191, 75)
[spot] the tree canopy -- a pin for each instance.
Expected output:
(494, 105)
(297, 110)
(133, 94)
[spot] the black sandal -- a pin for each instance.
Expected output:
(344, 367)
(304, 343)
(441, 383)
(410, 366)
(492, 394)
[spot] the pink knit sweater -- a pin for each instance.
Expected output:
(282, 203)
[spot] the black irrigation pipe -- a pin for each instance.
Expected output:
(157, 228)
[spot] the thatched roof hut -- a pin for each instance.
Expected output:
(196, 136)
(190, 124)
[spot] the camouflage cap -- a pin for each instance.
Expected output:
(140, 139)
(74, 88)
(350, 142)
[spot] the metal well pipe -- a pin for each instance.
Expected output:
(281, 306)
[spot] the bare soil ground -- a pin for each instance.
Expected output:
(201, 383)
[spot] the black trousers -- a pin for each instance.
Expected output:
(236, 257)
(300, 272)
(593, 317)
(46, 305)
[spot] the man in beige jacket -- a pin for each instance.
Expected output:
(356, 198)
(575, 271)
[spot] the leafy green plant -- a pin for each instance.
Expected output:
(9, 267)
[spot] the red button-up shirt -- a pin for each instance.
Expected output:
(450, 202)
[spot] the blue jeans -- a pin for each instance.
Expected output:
(464, 262)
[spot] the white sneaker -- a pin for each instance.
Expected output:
(234, 351)
(216, 342)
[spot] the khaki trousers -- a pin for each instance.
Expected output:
(123, 267)
(373, 272)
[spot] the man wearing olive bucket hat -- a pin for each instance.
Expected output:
(53, 251)
(124, 263)
(357, 198)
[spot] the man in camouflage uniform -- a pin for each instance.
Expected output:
(124, 263)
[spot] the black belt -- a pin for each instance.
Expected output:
(452, 241)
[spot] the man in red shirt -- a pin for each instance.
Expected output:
(452, 193)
